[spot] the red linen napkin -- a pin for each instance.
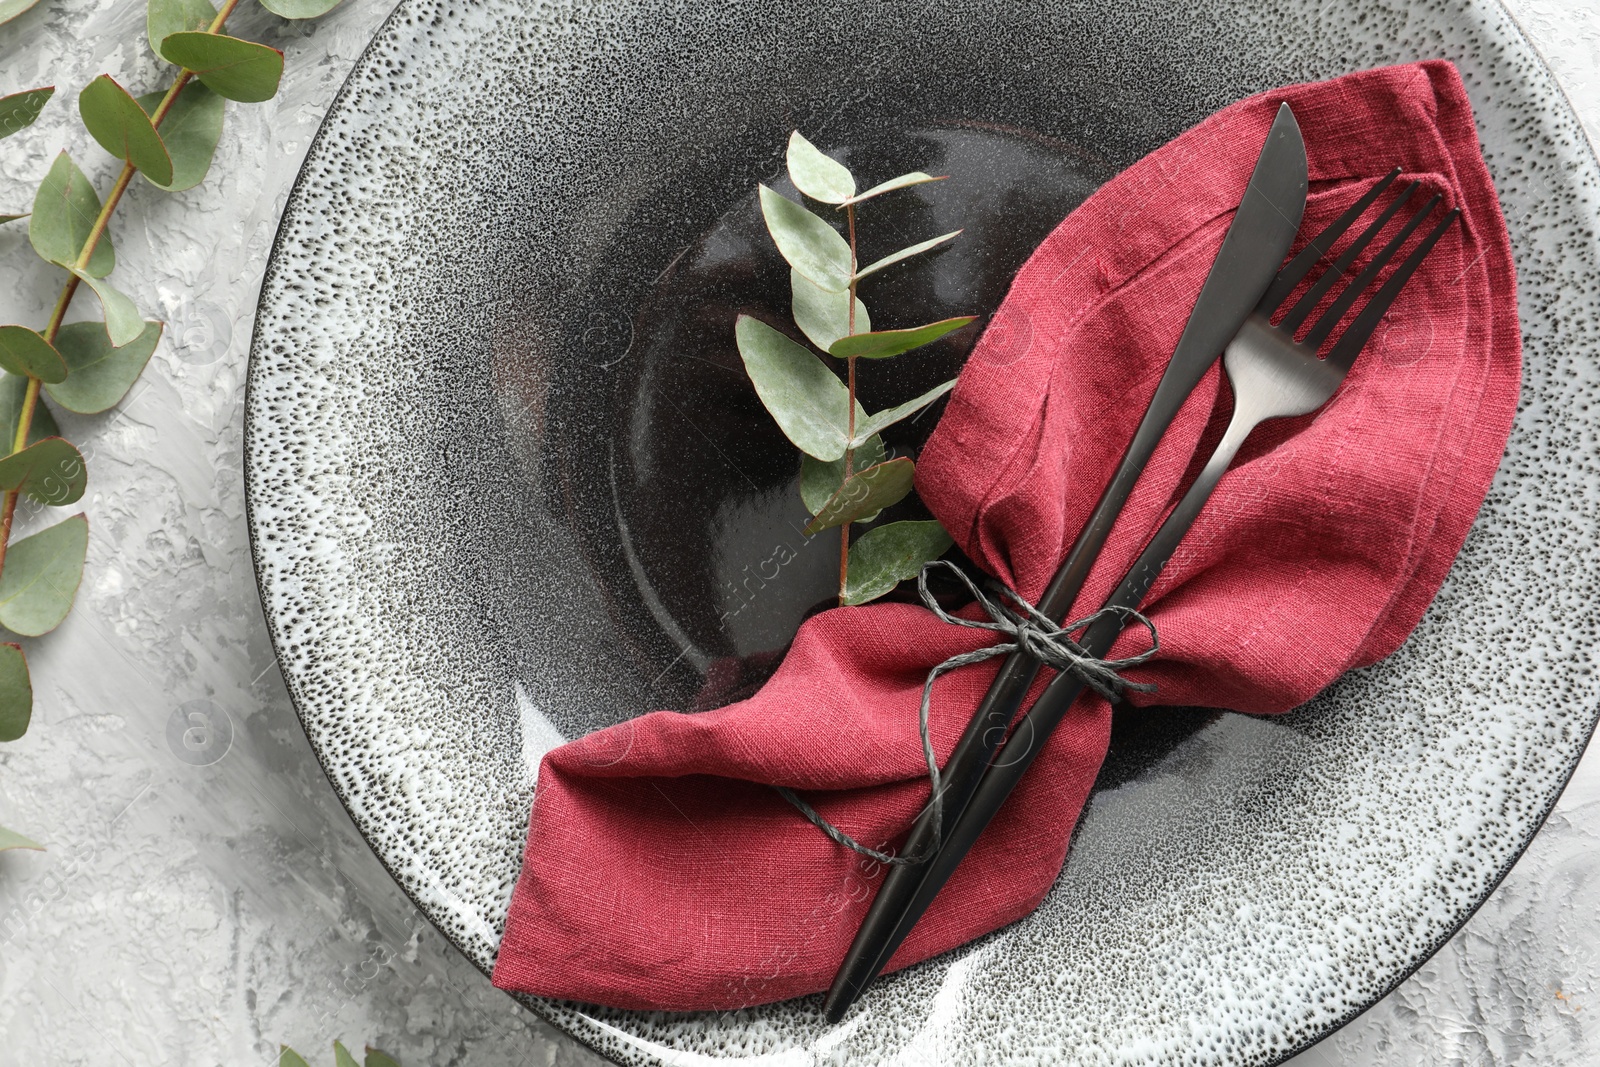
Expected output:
(662, 871)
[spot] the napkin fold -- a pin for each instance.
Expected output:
(661, 869)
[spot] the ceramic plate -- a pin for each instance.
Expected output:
(506, 487)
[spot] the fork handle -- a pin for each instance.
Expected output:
(1034, 729)
(993, 717)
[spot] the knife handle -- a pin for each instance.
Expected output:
(1011, 762)
(968, 819)
(962, 772)
(1257, 240)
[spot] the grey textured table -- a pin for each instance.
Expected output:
(200, 913)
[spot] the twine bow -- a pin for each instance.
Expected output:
(1029, 630)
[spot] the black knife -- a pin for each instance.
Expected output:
(1252, 251)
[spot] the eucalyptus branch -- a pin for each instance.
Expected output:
(87, 367)
(846, 474)
(69, 289)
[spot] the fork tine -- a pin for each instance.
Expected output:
(1301, 264)
(1302, 309)
(1324, 326)
(1358, 332)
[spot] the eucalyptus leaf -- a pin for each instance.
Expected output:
(99, 375)
(818, 176)
(10, 9)
(809, 244)
(905, 253)
(123, 324)
(886, 343)
(822, 316)
(905, 181)
(885, 556)
(342, 1057)
(12, 218)
(116, 120)
(808, 401)
(51, 472)
(239, 70)
(190, 129)
(878, 421)
(13, 389)
(379, 1058)
(64, 211)
(19, 110)
(16, 709)
(288, 1057)
(10, 838)
(26, 353)
(163, 18)
(41, 577)
(300, 9)
(820, 480)
(864, 493)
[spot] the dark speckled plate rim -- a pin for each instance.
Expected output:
(560, 1019)
(1522, 847)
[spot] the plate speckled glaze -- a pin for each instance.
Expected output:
(458, 435)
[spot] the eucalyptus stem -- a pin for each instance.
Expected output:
(850, 362)
(216, 23)
(60, 311)
(802, 391)
(101, 221)
(30, 398)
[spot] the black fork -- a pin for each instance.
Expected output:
(1273, 375)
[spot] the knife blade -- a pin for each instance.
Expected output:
(1253, 249)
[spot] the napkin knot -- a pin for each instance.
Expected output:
(1030, 631)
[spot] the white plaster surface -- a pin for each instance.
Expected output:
(201, 914)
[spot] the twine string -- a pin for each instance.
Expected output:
(1028, 630)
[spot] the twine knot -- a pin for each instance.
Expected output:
(1028, 630)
